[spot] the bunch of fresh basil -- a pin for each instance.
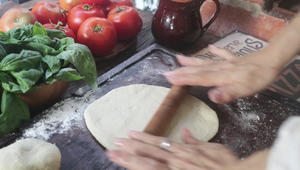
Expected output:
(32, 55)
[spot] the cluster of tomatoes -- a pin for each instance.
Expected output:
(98, 24)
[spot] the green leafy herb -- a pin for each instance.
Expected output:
(2, 52)
(81, 58)
(14, 112)
(68, 74)
(32, 55)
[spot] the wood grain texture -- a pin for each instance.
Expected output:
(79, 150)
(166, 111)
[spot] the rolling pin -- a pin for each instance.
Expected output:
(166, 111)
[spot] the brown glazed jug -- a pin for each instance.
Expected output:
(178, 23)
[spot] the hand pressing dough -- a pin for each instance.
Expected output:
(132, 107)
(30, 154)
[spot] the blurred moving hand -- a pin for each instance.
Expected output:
(240, 76)
(143, 152)
(233, 78)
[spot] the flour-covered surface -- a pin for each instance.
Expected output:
(246, 125)
(64, 124)
(251, 124)
(60, 118)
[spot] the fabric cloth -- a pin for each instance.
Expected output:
(285, 153)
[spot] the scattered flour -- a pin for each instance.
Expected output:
(60, 118)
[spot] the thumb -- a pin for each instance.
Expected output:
(223, 53)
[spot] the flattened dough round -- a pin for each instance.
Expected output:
(132, 107)
(30, 154)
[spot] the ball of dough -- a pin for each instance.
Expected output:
(30, 154)
(132, 107)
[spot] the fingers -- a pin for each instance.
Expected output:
(145, 150)
(225, 94)
(196, 76)
(188, 138)
(135, 162)
(140, 148)
(154, 140)
(191, 61)
(220, 96)
(226, 54)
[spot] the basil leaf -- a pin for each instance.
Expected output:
(14, 112)
(21, 33)
(23, 61)
(38, 29)
(68, 74)
(3, 36)
(42, 48)
(55, 33)
(2, 52)
(82, 59)
(8, 83)
(45, 40)
(27, 78)
(66, 41)
(53, 64)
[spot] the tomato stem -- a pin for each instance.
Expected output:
(119, 9)
(87, 7)
(98, 28)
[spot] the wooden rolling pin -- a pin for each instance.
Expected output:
(166, 111)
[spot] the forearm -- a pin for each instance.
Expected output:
(284, 45)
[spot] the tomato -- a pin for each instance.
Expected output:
(65, 29)
(46, 12)
(99, 34)
(16, 17)
(69, 4)
(99, 2)
(114, 4)
(80, 13)
(127, 21)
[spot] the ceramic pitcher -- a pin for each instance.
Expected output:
(178, 23)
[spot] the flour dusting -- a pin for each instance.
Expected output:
(60, 118)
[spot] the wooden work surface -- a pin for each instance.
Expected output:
(246, 125)
(79, 150)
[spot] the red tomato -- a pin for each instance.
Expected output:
(69, 4)
(114, 4)
(65, 29)
(46, 12)
(99, 2)
(80, 13)
(127, 21)
(16, 17)
(99, 34)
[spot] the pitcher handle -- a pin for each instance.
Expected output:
(212, 19)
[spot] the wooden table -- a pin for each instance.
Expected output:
(81, 152)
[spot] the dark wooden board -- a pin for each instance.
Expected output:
(246, 125)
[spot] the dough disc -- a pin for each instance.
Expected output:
(30, 154)
(132, 107)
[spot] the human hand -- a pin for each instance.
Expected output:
(232, 78)
(143, 152)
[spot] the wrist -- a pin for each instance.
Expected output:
(268, 58)
(274, 58)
